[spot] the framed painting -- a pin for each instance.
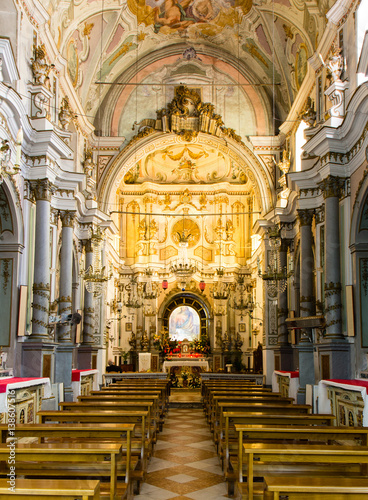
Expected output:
(128, 327)
(241, 327)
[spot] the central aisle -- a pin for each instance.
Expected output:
(185, 464)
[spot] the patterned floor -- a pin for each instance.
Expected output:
(185, 465)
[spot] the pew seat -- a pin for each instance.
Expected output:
(53, 489)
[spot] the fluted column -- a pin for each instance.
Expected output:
(284, 350)
(282, 337)
(331, 187)
(305, 346)
(306, 267)
(66, 273)
(42, 190)
(88, 302)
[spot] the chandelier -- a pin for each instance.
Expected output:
(132, 294)
(276, 276)
(243, 298)
(220, 289)
(96, 277)
(183, 268)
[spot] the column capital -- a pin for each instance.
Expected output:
(67, 218)
(88, 245)
(331, 186)
(305, 216)
(42, 189)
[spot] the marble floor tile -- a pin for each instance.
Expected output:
(185, 465)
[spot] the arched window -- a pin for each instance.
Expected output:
(184, 323)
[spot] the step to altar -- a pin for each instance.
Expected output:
(185, 398)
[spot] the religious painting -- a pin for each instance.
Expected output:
(241, 327)
(301, 65)
(72, 56)
(172, 15)
(184, 323)
(128, 327)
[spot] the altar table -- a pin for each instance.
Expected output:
(203, 363)
(26, 398)
(347, 399)
(286, 382)
(83, 382)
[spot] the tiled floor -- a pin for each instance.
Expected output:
(185, 465)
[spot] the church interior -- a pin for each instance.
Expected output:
(184, 204)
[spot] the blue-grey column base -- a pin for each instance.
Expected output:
(63, 368)
(286, 357)
(306, 369)
(339, 352)
(84, 357)
(32, 353)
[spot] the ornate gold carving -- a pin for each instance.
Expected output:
(188, 229)
(305, 216)
(42, 189)
(331, 186)
(40, 68)
(67, 218)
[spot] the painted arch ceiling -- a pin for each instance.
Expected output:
(127, 58)
(248, 57)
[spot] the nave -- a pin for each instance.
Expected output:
(185, 464)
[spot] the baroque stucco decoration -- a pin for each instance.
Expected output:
(186, 130)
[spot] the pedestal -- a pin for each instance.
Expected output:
(306, 369)
(63, 369)
(38, 359)
(85, 357)
(144, 361)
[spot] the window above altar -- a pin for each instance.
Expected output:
(184, 323)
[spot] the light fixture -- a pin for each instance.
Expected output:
(275, 277)
(183, 268)
(96, 277)
(243, 298)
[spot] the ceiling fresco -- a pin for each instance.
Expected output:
(134, 52)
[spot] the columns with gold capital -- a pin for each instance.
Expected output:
(331, 188)
(42, 190)
(66, 266)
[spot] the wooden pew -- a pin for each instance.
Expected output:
(235, 395)
(145, 406)
(297, 457)
(227, 432)
(139, 418)
(108, 398)
(98, 459)
(53, 489)
(326, 434)
(122, 389)
(255, 401)
(261, 409)
(317, 488)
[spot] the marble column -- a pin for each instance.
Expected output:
(38, 350)
(307, 307)
(64, 351)
(284, 349)
(334, 347)
(331, 192)
(86, 348)
(42, 191)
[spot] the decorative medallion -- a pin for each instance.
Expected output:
(185, 229)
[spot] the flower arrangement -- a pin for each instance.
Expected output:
(201, 346)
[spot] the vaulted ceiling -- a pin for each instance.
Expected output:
(248, 58)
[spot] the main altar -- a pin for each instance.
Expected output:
(184, 362)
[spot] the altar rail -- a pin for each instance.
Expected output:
(259, 379)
